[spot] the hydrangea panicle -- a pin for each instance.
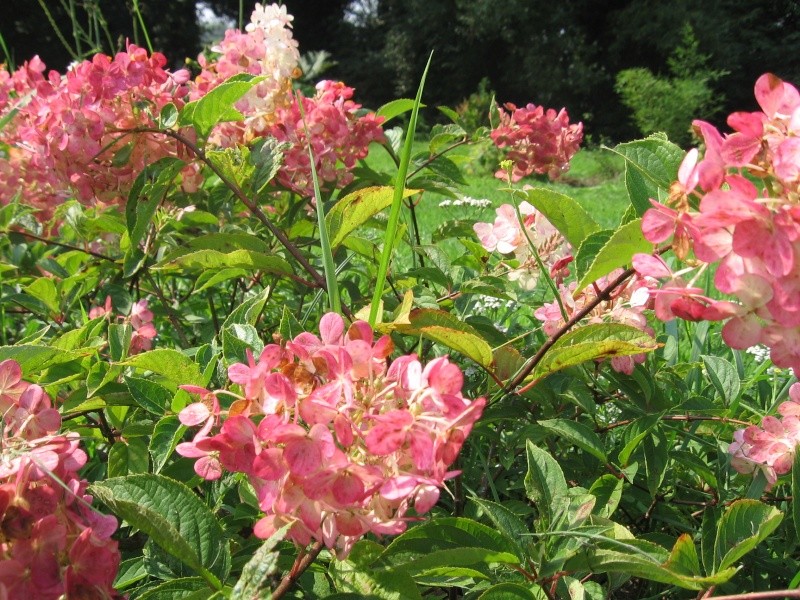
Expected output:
(53, 543)
(346, 444)
(537, 140)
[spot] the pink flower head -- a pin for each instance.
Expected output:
(538, 140)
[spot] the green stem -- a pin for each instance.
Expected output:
(328, 265)
(397, 202)
(139, 18)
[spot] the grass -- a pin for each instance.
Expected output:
(594, 180)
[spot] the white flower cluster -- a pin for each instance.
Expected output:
(760, 353)
(466, 201)
(486, 303)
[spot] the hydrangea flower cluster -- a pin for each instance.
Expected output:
(339, 137)
(737, 207)
(69, 137)
(506, 236)
(53, 544)
(335, 441)
(538, 140)
(267, 48)
(64, 141)
(140, 319)
(771, 447)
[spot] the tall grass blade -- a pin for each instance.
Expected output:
(397, 201)
(329, 267)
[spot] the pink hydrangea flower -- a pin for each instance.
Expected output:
(349, 444)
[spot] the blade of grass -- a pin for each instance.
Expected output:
(327, 255)
(397, 202)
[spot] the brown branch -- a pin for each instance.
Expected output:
(62, 245)
(319, 280)
(605, 294)
(726, 420)
(301, 563)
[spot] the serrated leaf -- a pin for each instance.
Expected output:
(589, 248)
(566, 215)
(209, 279)
(173, 517)
(577, 433)
(608, 491)
(371, 584)
(170, 364)
(356, 208)
(656, 460)
(44, 290)
(545, 484)
(507, 523)
(446, 329)
(446, 533)
(151, 396)
(119, 340)
(213, 259)
(167, 433)
(511, 591)
(683, 559)
(217, 105)
(254, 581)
(128, 458)
(237, 339)
(177, 589)
(615, 253)
(655, 161)
(744, 525)
(456, 557)
(33, 359)
(635, 433)
(266, 155)
(148, 190)
(593, 342)
(723, 376)
(248, 311)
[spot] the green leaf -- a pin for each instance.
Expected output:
(566, 215)
(213, 260)
(608, 491)
(255, 579)
(44, 290)
(33, 359)
(653, 161)
(248, 312)
(616, 252)
(448, 533)
(683, 558)
(166, 435)
(357, 208)
(217, 105)
(512, 591)
(128, 458)
(456, 557)
(587, 252)
(237, 339)
(593, 342)
(209, 279)
(507, 523)
(635, 433)
(744, 525)
(168, 117)
(147, 192)
(545, 484)
(577, 433)
(395, 108)
(151, 396)
(638, 558)
(656, 460)
(266, 155)
(446, 329)
(177, 589)
(723, 376)
(173, 517)
(170, 364)
(119, 340)
(371, 584)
